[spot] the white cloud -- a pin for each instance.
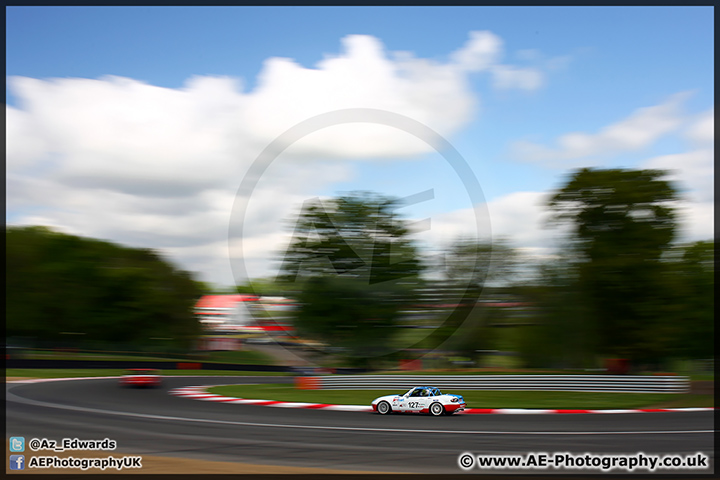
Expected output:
(448, 227)
(125, 135)
(696, 221)
(118, 132)
(23, 147)
(431, 93)
(505, 76)
(639, 130)
(702, 131)
(480, 52)
(692, 172)
(120, 159)
(483, 51)
(520, 217)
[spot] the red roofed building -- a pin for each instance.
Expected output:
(218, 311)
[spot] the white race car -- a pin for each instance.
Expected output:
(420, 400)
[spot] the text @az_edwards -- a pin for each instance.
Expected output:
(38, 444)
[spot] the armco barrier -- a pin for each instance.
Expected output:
(560, 383)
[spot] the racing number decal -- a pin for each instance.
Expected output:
(413, 404)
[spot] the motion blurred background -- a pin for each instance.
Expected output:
(129, 130)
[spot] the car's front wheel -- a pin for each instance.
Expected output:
(383, 408)
(437, 409)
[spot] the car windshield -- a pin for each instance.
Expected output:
(421, 392)
(430, 391)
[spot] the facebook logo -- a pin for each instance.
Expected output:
(17, 462)
(17, 444)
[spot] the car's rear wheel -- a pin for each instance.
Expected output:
(437, 409)
(383, 408)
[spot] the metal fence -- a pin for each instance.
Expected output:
(560, 383)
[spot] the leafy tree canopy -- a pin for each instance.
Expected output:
(359, 235)
(355, 267)
(472, 262)
(623, 221)
(64, 288)
(618, 212)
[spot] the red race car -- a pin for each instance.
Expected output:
(141, 377)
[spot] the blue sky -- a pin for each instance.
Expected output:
(533, 93)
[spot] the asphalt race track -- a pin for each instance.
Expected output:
(152, 422)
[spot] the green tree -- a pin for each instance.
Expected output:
(690, 282)
(468, 266)
(268, 287)
(562, 331)
(354, 267)
(472, 262)
(623, 221)
(346, 313)
(359, 235)
(477, 333)
(63, 288)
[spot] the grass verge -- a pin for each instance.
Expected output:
(474, 398)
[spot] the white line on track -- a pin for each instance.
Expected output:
(14, 398)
